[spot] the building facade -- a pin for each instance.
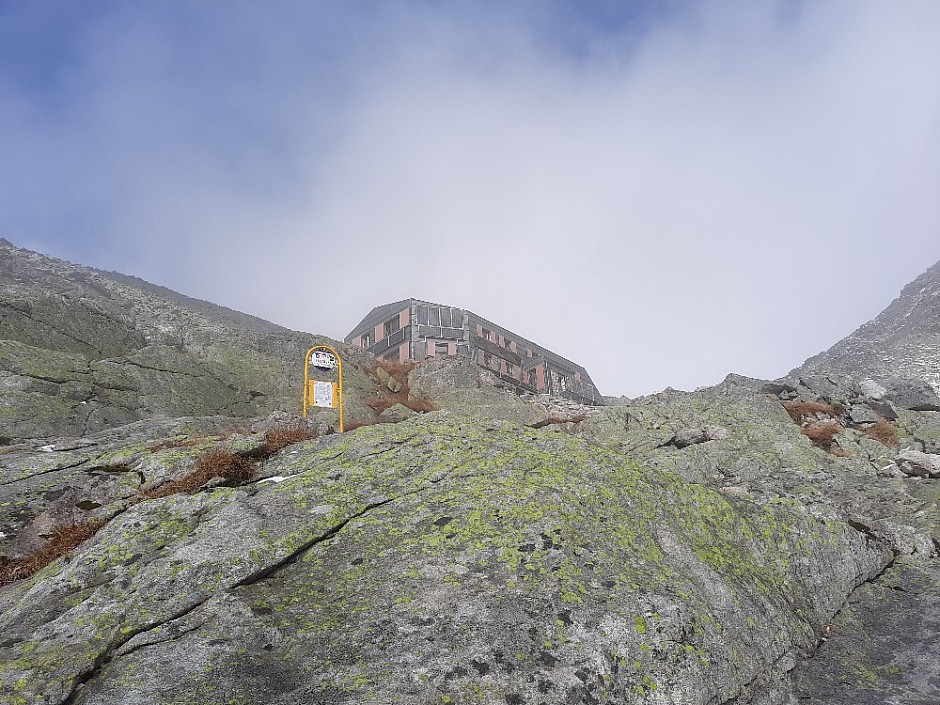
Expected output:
(416, 330)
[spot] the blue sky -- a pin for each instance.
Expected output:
(696, 188)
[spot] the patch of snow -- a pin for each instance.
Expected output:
(47, 449)
(276, 478)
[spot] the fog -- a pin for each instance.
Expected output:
(663, 192)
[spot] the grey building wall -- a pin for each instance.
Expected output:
(432, 324)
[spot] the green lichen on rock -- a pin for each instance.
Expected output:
(438, 558)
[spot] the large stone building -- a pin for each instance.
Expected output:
(415, 330)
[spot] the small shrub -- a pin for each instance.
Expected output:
(225, 464)
(801, 411)
(214, 463)
(282, 436)
(420, 405)
(380, 404)
(62, 541)
(884, 432)
(823, 434)
(396, 370)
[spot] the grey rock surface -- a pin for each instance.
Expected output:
(460, 386)
(82, 350)
(436, 560)
(903, 341)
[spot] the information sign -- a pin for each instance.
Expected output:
(322, 360)
(323, 394)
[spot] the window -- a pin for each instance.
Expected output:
(533, 380)
(391, 355)
(507, 343)
(445, 317)
(366, 340)
(441, 349)
(487, 334)
(392, 325)
(422, 313)
(510, 369)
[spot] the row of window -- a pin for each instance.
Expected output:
(392, 325)
(507, 343)
(443, 316)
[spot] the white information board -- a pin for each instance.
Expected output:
(323, 394)
(323, 360)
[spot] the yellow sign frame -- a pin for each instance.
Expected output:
(308, 383)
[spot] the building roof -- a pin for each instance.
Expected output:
(379, 314)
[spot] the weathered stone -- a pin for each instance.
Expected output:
(425, 560)
(82, 350)
(883, 409)
(862, 414)
(917, 464)
(871, 389)
(882, 647)
(460, 386)
(396, 413)
(703, 434)
(911, 394)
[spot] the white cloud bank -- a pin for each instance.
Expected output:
(733, 188)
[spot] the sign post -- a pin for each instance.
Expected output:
(320, 393)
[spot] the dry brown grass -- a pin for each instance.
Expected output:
(823, 435)
(282, 436)
(215, 463)
(396, 370)
(801, 411)
(884, 432)
(399, 372)
(62, 541)
(416, 404)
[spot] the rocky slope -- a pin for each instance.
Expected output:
(82, 350)
(760, 543)
(903, 341)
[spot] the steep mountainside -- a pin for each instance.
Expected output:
(752, 543)
(82, 350)
(903, 341)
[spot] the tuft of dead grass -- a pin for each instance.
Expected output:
(282, 436)
(823, 435)
(214, 463)
(801, 411)
(396, 370)
(399, 372)
(884, 432)
(63, 541)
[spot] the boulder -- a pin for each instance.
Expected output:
(702, 434)
(911, 394)
(916, 464)
(396, 413)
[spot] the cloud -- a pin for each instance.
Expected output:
(662, 196)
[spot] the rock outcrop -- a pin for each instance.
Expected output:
(435, 560)
(83, 350)
(161, 541)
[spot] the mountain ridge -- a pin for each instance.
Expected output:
(163, 541)
(901, 341)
